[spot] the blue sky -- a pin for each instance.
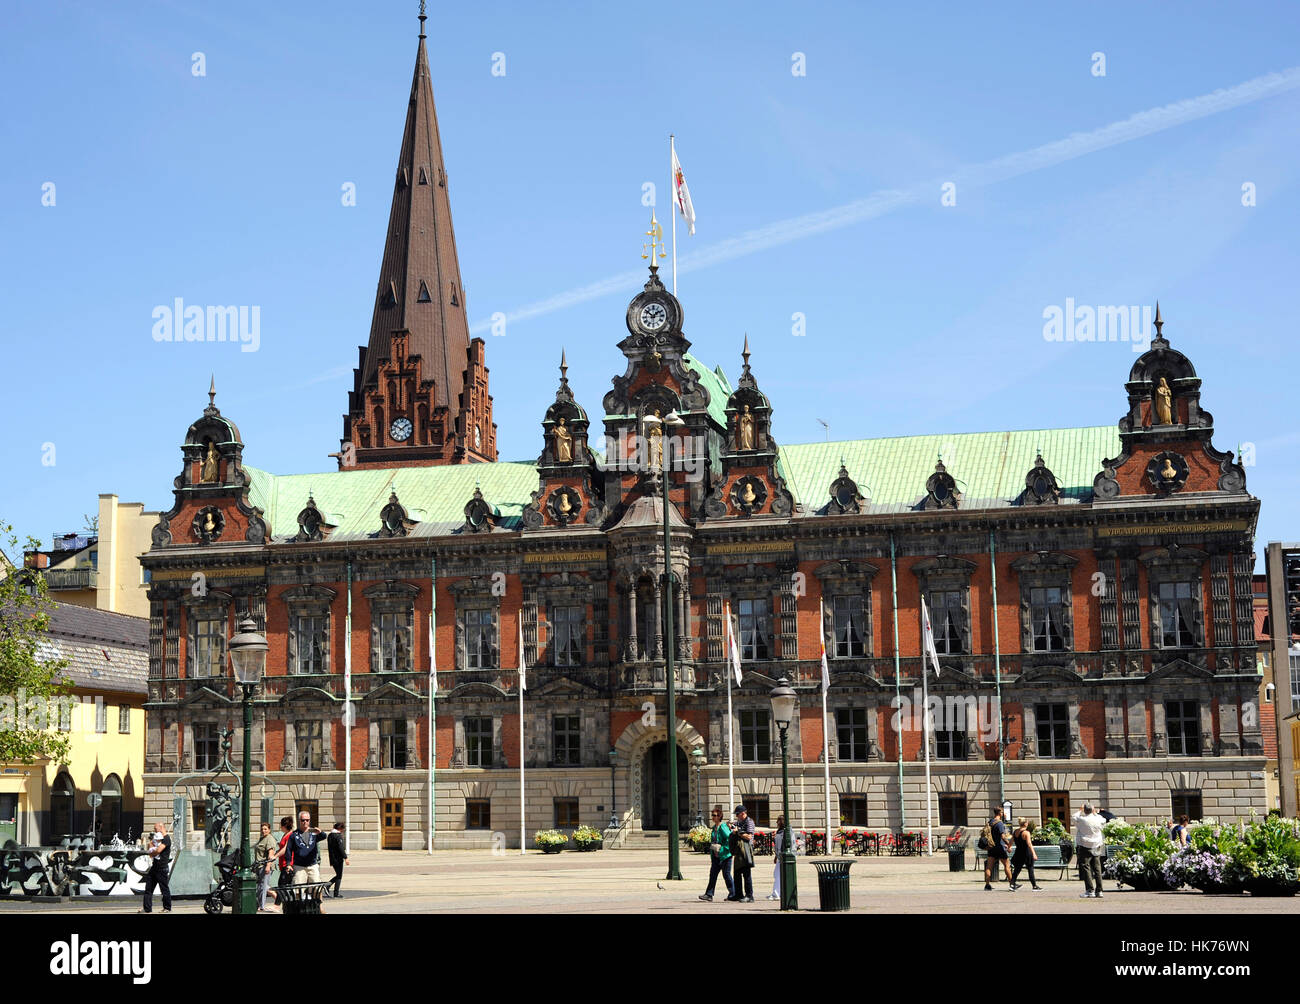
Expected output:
(924, 318)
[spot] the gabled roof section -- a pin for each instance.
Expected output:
(420, 247)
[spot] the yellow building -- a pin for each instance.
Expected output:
(101, 569)
(108, 662)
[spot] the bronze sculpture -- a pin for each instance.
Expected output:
(209, 475)
(1164, 398)
(563, 443)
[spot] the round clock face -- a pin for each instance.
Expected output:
(653, 316)
(400, 430)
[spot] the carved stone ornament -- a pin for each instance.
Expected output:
(564, 505)
(845, 496)
(478, 514)
(310, 522)
(208, 524)
(393, 521)
(748, 495)
(1167, 472)
(162, 532)
(1041, 487)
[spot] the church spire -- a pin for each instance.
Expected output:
(420, 311)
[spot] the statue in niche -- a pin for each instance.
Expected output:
(1168, 472)
(209, 524)
(1164, 403)
(747, 496)
(563, 443)
(745, 430)
(562, 504)
(655, 444)
(208, 476)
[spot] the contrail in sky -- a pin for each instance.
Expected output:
(885, 201)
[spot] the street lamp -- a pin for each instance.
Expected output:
(700, 759)
(613, 816)
(247, 659)
(784, 701)
(671, 420)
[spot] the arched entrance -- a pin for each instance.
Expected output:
(654, 799)
(62, 798)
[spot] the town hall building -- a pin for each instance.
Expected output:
(1090, 590)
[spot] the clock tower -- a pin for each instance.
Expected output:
(420, 394)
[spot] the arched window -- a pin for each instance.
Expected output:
(109, 821)
(62, 797)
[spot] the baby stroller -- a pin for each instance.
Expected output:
(224, 893)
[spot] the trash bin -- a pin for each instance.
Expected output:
(956, 859)
(833, 884)
(301, 899)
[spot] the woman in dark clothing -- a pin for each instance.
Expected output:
(1024, 855)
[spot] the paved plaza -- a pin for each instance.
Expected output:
(631, 882)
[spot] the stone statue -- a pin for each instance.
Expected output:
(1164, 403)
(209, 475)
(655, 444)
(745, 430)
(563, 440)
(219, 817)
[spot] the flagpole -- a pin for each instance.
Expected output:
(433, 686)
(926, 642)
(672, 187)
(522, 828)
(347, 720)
(731, 770)
(826, 725)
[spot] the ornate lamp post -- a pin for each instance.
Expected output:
(671, 420)
(700, 759)
(613, 800)
(247, 659)
(784, 701)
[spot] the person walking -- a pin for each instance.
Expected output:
(743, 852)
(264, 854)
(719, 855)
(1024, 855)
(159, 876)
(778, 845)
(1090, 843)
(304, 843)
(1179, 832)
(338, 853)
(995, 834)
(285, 856)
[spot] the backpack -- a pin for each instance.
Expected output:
(985, 841)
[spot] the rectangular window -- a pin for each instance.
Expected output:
(124, 720)
(478, 742)
(1183, 723)
(567, 636)
(101, 716)
(392, 744)
(755, 629)
(949, 744)
(209, 639)
(946, 620)
(1055, 805)
(394, 643)
(1187, 803)
(851, 730)
(757, 808)
(952, 810)
(309, 635)
(311, 745)
(1053, 721)
(848, 615)
(207, 745)
(756, 736)
(1047, 618)
(566, 735)
(478, 639)
(566, 813)
(853, 810)
(1177, 615)
(478, 814)
(309, 806)
(198, 817)
(1295, 681)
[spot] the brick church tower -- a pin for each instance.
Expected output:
(421, 386)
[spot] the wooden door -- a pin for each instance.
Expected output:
(1056, 804)
(390, 824)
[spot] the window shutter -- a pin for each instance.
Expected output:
(191, 642)
(294, 622)
(323, 636)
(376, 642)
(494, 659)
(1067, 619)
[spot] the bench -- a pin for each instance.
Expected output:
(1049, 856)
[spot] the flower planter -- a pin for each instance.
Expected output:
(552, 848)
(591, 845)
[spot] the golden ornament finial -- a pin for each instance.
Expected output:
(656, 235)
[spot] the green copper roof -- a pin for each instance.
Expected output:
(989, 468)
(716, 383)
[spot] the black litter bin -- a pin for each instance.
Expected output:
(833, 884)
(298, 900)
(956, 859)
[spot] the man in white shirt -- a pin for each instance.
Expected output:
(1090, 845)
